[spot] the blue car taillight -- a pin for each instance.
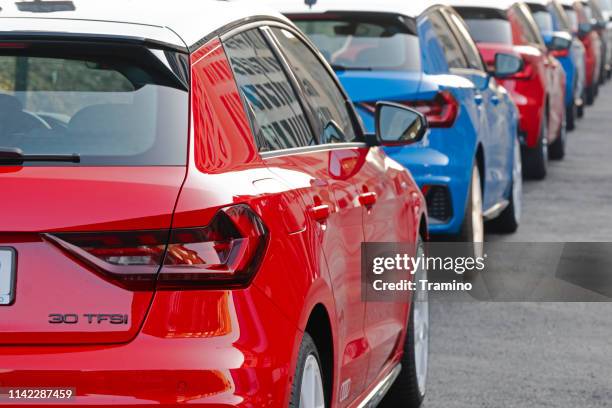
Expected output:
(441, 111)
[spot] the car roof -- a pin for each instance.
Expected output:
(182, 23)
(408, 8)
(490, 4)
(541, 2)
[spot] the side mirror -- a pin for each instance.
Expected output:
(560, 43)
(398, 125)
(584, 29)
(507, 65)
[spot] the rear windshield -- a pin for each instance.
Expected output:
(573, 18)
(542, 17)
(108, 109)
(606, 5)
(362, 42)
(486, 25)
(560, 17)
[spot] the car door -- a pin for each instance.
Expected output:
(333, 166)
(380, 188)
(499, 138)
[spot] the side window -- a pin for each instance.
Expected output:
(452, 50)
(467, 43)
(334, 122)
(277, 118)
(528, 33)
(432, 55)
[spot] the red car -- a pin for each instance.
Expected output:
(188, 189)
(583, 27)
(538, 89)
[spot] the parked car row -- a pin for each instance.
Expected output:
(190, 185)
(494, 78)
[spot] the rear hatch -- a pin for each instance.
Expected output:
(93, 147)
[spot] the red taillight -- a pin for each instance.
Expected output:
(441, 111)
(560, 53)
(225, 253)
(13, 45)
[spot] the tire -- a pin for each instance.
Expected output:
(556, 151)
(308, 368)
(590, 95)
(580, 110)
(509, 220)
(408, 390)
(472, 229)
(535, 160)
(570, 117)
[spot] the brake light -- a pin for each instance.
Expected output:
(225, 253)
(560, 53)
(13, 45)
(441, 111)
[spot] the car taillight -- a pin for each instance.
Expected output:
(11, 45)
(224, 253)
(441, 111)
(560, 53)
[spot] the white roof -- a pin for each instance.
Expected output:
(190, 19)
(492, 4)
(409, 8)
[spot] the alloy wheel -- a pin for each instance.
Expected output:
(311, 390)
(421, 329)
(517, 182)
(477, 215)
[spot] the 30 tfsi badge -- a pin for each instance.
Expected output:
(7, 276)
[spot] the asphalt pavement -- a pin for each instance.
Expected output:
(538, 354)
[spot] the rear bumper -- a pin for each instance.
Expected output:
(445, 160)
(237, 353)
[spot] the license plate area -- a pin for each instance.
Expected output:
(7, 276)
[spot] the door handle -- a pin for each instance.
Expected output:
(368, 199)
(320, 213)
(478, 99)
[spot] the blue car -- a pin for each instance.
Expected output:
(469, 167)
(554, 23)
